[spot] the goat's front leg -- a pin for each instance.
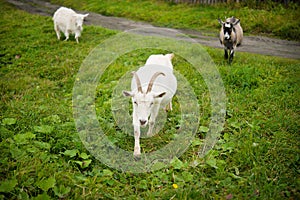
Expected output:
(77, 35)
(225, 53)
(67, 35)
(231, 55)
(137, 148)
(153, 115)
(169, 106)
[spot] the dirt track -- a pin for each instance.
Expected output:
(253, 44)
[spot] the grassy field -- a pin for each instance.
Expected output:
(267, 19)
(42, 156)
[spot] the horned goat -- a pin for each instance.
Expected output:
(231, 36)
(152, 86)
(69, 22)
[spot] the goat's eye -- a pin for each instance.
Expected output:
(135, 103)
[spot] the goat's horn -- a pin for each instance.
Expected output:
(152, 80)
(138, 82)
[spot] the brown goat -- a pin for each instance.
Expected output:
(231, 36)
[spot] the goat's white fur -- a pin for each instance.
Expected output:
(153, 86)
(68, 21)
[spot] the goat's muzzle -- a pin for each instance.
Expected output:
(143, 122)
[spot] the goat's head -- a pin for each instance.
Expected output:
(228, 27)
(142, 101)
(79, 18)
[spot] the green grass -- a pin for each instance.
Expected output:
(42, 157)
(272, 20)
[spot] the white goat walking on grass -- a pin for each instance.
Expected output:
(152, 86)
(69, 22)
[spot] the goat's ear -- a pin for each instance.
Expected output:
(85, 15)
(128, 94)
(170, 55)
(220, 21)
(159, 95)
(236, 22)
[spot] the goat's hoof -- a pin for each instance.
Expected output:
(137, 157)
(149, 134)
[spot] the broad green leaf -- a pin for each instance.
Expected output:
(196, 142)
(9, 121)
(84, 156)
(84, 164)
(71, 153)
(43, 129)
(110, 182)
(61, 191)
(46, 184)
(8, 185)
(176, 163)
(23, 138)
(203, 129)
(229, 146)
(107, 172)
(43, 196)
(42, 145)
(212, 162)
(162, 176)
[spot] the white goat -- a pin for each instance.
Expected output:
(231, 36)
(69, 22)
(153, 86)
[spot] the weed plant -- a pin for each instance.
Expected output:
(42, 157)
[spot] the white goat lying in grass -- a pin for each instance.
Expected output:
(153, 86)
(69, 22)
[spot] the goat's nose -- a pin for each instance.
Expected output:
(143, 122)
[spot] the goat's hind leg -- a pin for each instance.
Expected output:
(57, 31)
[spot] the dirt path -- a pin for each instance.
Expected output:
(253, 44)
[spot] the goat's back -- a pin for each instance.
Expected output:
(64, 18)
(239, 33)
(63, 14)
(160, 59)
(238, 30)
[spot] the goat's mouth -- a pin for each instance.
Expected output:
(143, 122)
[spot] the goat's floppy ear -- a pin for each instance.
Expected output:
(128, 94)
(220, 21)
(159, 95)
(170, 55)
(236, 22)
